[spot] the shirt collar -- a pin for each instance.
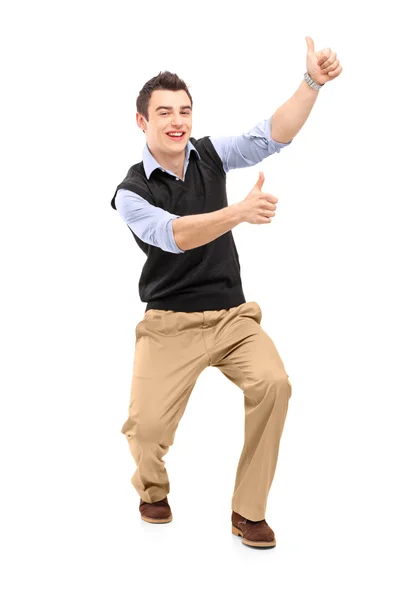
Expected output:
(150, 163)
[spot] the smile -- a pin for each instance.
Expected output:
(176, 137)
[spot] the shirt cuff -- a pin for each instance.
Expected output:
(278, 145)
(174, 247)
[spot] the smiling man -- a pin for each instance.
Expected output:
(174, 203)
(168, 144)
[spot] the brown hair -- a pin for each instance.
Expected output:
(163, 81)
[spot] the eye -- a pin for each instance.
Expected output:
(185, 112)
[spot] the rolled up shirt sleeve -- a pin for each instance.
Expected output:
(151, 224)
(248, 149)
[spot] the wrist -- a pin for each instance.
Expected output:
(313, 83)
(237, 211)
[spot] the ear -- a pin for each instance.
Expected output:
(141, 121)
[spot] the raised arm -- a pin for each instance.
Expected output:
(248, 149)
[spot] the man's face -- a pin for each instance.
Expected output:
(177, 118)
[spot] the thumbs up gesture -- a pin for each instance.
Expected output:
(322, 66)
(258, 207)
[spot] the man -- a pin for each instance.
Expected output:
(174, 202)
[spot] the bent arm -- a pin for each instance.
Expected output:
(192, 231)
(248, 149)
(151, 224)
(287, 121)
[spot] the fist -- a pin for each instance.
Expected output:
(258, 207)
(323, 65)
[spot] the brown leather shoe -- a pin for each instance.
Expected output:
(156, 512)
(254, 533)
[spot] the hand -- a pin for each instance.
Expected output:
(258, 207)
(322, 66)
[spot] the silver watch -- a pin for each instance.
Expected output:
(311, 82)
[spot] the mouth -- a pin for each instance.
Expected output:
(176, 138)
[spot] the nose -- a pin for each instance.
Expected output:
(177, 119)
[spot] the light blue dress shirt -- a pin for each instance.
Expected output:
(153, 225)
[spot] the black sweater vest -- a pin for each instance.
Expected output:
(203, 278)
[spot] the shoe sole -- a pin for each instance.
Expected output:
(151, 520)
(237, 531)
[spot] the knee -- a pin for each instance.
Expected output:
(277, 380)
(282, 384)
(145, 432)
(278, 384)
(288, 386)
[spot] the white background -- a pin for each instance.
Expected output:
(325, 273)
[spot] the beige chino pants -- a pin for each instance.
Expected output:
(172, 349)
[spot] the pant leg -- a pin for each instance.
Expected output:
(169, 357)
(248, 357)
